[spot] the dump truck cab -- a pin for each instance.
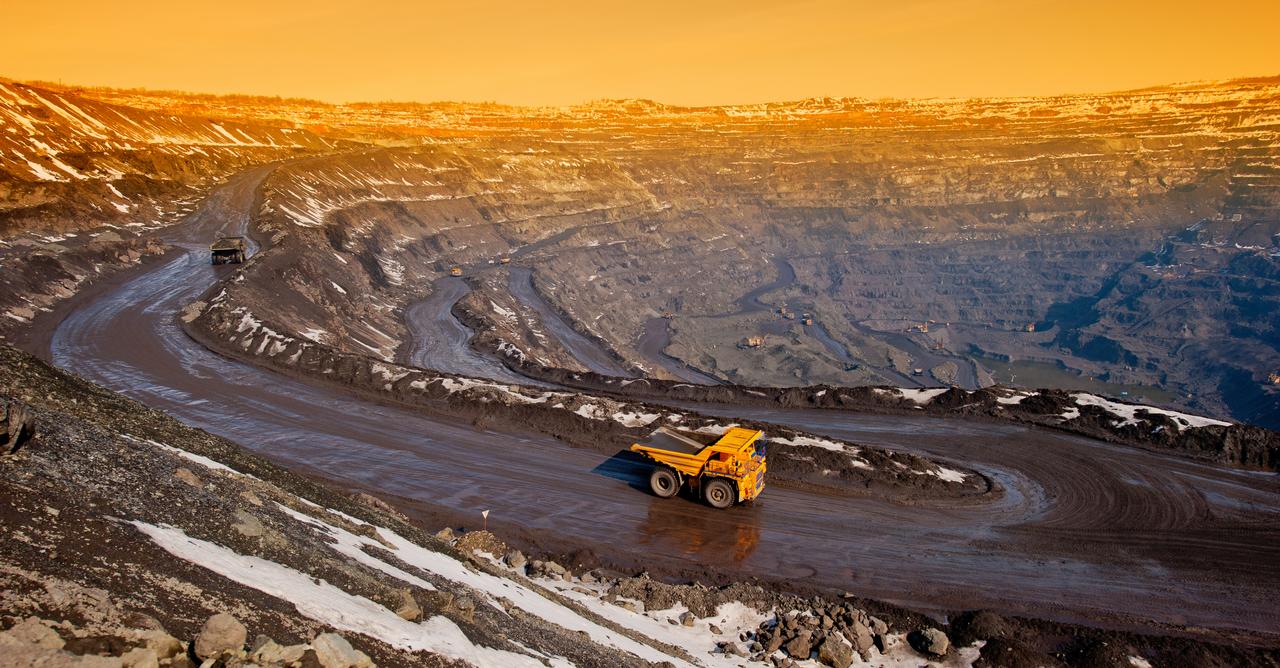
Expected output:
(727, 471)
(227, 249)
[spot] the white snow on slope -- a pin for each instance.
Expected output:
(698, 640)
(328, 604)
(191, 457)
(1014, 399)
(732, 619)
(314, 334)
(921, 396)
(491, 586)
(950, 475)
(814, 442)
(634, 419)
(1129, 412)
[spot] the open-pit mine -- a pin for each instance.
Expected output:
(1016, 362)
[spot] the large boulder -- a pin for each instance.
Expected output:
(164, 645)
(801, 646)
(929, 641)
(270, 653)
(140, 657)
(408, 609)
(835, 652)
(220, 634)
(861, 638)
(333, 651)
(516, 559)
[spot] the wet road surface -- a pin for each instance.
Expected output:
(1084, 530)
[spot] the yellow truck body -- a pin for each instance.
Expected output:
(728, 471)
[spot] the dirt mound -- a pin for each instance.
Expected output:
(1241, 445)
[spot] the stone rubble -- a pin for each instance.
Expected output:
(221, 643)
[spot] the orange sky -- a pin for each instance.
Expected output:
(682, 52)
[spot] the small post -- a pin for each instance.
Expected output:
(485, 514)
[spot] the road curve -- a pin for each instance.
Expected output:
(440, 339)
(1084, 531)
(588, 351)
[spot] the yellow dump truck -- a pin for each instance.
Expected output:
(723, 473)
(456, 271)
(227, 249)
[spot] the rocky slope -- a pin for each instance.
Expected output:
(83, 183)
(69, 163)
(133, 540)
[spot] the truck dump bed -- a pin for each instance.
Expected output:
(227, 244)
(670, 441)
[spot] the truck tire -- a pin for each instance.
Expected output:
(719, 493)
(664, 482)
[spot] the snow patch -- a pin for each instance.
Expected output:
(330, 605)
(634, 419)
(921, 397)
(1128, 413)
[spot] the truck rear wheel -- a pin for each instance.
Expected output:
(663, 482)
(719, 493)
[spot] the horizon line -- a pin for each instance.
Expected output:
(44, 83)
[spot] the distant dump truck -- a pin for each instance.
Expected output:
(456, 271)
(227, 250)
(723, 473)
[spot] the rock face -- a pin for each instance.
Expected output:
(16, 426)
(220, 634)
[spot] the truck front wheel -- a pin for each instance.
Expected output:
(719, 493)
(663, 482)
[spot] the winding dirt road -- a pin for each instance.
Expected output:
(440, 338)
(1084, 531)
